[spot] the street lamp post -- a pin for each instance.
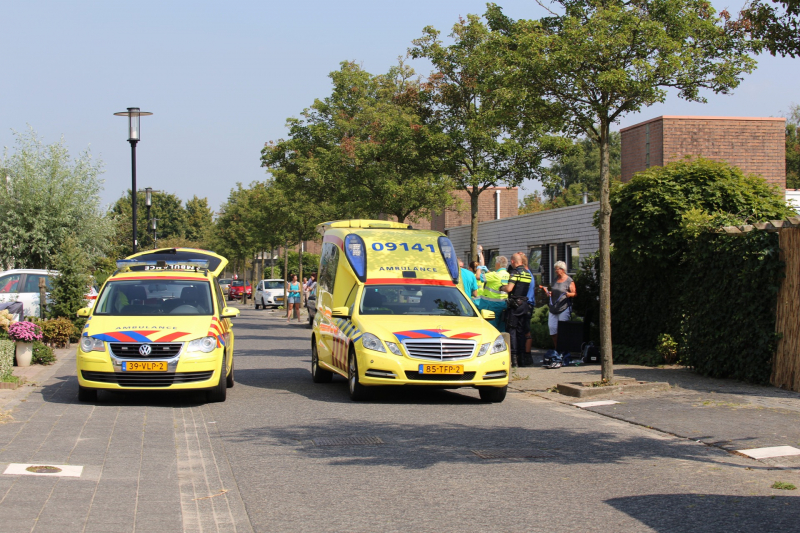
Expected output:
(154, 232)
(133, 115)
(148, 201)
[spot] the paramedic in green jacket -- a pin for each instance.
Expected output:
(492, 298)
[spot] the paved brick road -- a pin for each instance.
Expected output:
(257, 462)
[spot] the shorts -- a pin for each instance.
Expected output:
(553, 320)
(291, 300)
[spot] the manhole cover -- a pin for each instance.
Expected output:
(511, 454)
(42, 469)
(347, 441)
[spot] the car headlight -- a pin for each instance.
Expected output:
(499, 345)
(484, 349)
(206, 344)
(89, 344)
(394, 348)
(371, 342)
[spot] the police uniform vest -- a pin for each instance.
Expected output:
(491, 289)
(521, 278)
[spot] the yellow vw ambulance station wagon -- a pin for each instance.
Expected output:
(390, 312)
(159, 323)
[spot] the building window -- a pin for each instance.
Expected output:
(489, 255)
(535, 259)
(573, 258)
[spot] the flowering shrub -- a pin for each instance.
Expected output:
(24, 332)
(6, 319)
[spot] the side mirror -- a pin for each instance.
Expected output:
(342, 312)
(487, 315)
(84, 312)
(229, 312)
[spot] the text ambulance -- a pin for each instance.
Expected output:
(390, 312)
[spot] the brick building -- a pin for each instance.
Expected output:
(755, 145)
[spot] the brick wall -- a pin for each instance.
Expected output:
(487, 209)
(755, 145)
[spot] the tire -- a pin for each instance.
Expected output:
(255, 303)
(87, 395)
(220, 392)
(358, 392)
(229, 382)
(493, 394)
(318, 375)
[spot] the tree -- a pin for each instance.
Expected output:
(167, 208)
(776, 26)
(489, 142)
(582, 166)
(199, 219)
(365, 148)
(46, 197)
(72, 283)
(601, 59)
(793, 148)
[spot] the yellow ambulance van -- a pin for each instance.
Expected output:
(390, 311)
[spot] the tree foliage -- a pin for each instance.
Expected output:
(72, 283)
(45, 197)
(775, 23)
(364, 150)
(793, 148)
(489, 141)
(167, 208)
(597, 60)
(581, 166)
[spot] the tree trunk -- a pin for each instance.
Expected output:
(300, 268)
(474, 195)
(607, 359)
(286, 277)
(272, 263)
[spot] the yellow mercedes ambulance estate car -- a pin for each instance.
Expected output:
(390, 312)
(159, 323)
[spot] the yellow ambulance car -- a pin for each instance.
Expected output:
(159, 323)
(390, 312)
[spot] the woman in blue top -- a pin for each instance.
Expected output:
(294, 299)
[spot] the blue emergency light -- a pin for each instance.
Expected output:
(356, 254)
(449, 256)
(160, 264)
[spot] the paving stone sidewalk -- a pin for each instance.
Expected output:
(149, 463)
(719, 412)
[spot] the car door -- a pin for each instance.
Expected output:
(30, 297)
(10, 285)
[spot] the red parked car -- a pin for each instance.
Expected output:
(236, 289)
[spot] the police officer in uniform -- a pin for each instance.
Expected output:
(518, 309)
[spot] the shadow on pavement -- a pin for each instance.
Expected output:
(298, 381)
(425, 444)
(690, 513)
(65, 390)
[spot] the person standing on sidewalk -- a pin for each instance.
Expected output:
(468, 281)
(562, 290)
(293, 301)
(518, 311)
(492, 298)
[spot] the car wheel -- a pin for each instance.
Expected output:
(318, 375)
(255, 303)
(358, 392)
(86, 394)
(220, 392)
(229, 380)
(493, 394)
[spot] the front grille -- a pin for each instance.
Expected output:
(130, 350)
(146, 379)
(466, 376)
(439, 349)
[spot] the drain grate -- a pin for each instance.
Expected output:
(347, 441)
(511, 454)
(43, 469)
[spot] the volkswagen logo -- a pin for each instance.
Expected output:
(145, 350)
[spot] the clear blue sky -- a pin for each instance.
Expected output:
(222, 77)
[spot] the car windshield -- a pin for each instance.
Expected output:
(156, 297)
(415, 300)
(237, 283)
(224, 282)
(273, 284)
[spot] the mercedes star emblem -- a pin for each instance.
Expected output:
(145, 350)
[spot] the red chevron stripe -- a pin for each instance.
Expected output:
(172, 336)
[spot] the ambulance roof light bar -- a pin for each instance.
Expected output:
(159, 264)
(363, 224)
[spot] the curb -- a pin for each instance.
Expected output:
(577, 390)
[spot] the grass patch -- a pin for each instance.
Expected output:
(783, 486)
(10, 379)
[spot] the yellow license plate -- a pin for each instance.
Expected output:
(441, 369)
(279, 298)
(144, 366)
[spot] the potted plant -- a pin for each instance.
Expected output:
(24, 333)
